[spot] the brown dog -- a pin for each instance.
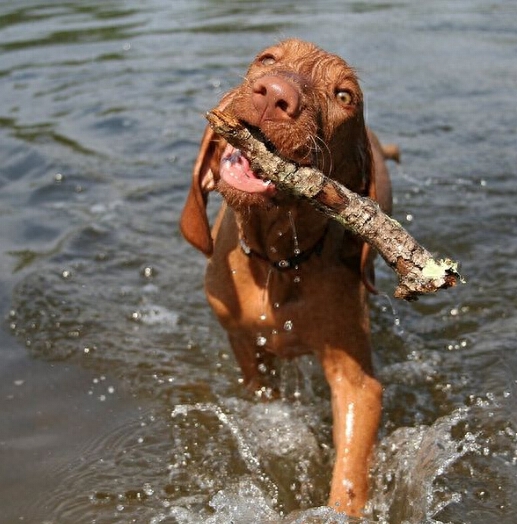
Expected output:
(282, 278)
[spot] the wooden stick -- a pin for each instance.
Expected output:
(418, 272)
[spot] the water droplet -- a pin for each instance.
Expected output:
(58, 177)
(409, 217)
(148, 272)
(297, 279)
(66, 274)
(481, 494)
(288, 325)
(261, 341)
(272, 249)
(276, 305)
(297, 251)
(264, 393)
(263, 316)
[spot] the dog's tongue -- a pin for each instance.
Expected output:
(235, 170)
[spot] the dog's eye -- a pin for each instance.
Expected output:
(267, 60)
(344, 97)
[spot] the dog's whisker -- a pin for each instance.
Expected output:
(326, 149)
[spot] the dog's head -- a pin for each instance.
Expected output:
(308, 105)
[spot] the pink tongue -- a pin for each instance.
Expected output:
(235, 170)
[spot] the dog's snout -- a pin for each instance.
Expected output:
(276, 98)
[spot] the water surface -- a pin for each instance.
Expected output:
(121, 401)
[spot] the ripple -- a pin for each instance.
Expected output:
(110, 97)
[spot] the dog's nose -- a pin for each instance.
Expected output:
(276, 98)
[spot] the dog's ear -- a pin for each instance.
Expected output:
(378, 188)
(379, 184)
(194, 220)
(368, 161)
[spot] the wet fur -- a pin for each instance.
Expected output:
(319, 122)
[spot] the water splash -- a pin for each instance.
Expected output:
(242, 503)
(321, 515)
(299, 378)
(280, 444)
(245, 451)
(408, 465)
(399, 330)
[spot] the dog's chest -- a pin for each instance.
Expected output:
(272, 307)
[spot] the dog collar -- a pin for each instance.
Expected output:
(286, 264)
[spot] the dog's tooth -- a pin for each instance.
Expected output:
(235, 156)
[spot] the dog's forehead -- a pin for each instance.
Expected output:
(309, 59)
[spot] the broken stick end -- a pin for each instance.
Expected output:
(441, 274)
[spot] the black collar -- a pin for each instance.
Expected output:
(286, 263)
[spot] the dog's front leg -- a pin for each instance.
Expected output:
(257, 366)
(356, 409)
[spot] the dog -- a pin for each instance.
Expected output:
(283, 279)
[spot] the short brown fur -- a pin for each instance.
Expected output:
(316, 119)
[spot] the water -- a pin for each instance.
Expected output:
(120, 399)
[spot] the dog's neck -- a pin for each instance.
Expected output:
(280, 233)
(285, 227)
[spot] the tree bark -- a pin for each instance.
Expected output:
(418, 272)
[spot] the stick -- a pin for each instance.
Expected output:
(418, 272)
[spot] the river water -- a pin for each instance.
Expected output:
(119, 397)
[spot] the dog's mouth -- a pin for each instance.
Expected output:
(236, 171)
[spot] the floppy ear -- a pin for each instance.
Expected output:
(378, 188)
(369, 163)
(194, 220)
